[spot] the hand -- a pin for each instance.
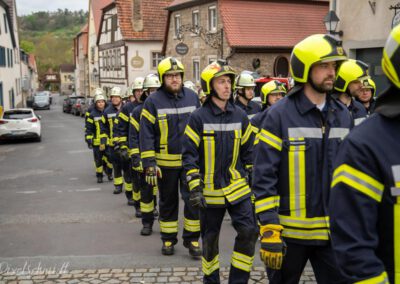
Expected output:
(89, 144)
(273, 248)
(152, 174)
(138, 167)
(102, 147)
(197, 199)
(122, 152)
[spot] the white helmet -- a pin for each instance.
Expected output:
(99, 97)
(98, 91)
(151, 81)
(245, 80)
(137, 84)
(190, 85)
(116, 92)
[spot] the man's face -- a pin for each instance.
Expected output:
(355, 88)
(137, 94)
(116, 101)
(248, 93)
(273, 98)
(365, 95)
(100, 104)
(222, 85)
(322, 76)
(173, 82)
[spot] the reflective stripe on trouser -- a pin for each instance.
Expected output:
(244, 222)
(146, 200)
(107, 162)
(322, 260)
(98, 160)
(117, 167)
(173, 180)
(127, 175)
(396, 223)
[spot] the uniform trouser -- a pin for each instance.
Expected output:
(99, 161)
(147, 201)
(322, 260)
(107, 162)
(117, 166)
(127, 174)
(244, 222)
(136, 187)
(173, 180)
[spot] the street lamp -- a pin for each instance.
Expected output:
(331, 21)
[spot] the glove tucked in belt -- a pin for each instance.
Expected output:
(273, 248)
(152, 173)
(196, 186)
(137, 163)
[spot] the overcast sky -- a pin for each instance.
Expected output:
(26, 7)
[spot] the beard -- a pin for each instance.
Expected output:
(172, 89)
(322, 87)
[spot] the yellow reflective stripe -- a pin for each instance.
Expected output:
(234, 186)
(312, 234)
(169, 157)
(192, 225)
(214, 197)
(209, 267)
(134, 122)
(270, 139)
(396, 226)
(255, 129)
(136, 195)
(149, 116)
(128, 186)
(209, 158)
(148, 154)
(238, 194)
(155, 190)
(305, 223)
(133, 151)
(246, 134)
(97, 126)
(192, 135)
(118, 181)
(380, 279)
(89, 136)
(193, 183)
(215, 200)
(297, 179)
(359, 181)
(89, 120)
(123, 116)
(192, 171)
(108, 163)
(163, 125)
(169, 227)
(147, 207)
(169, 164)
(235, 153)
(99, 169)
(242, 261)
(110, 122)
(267, 203)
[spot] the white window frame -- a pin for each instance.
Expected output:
(196, 12)
(196, 73)
(155, 57)
(212, 11)
(177, 24)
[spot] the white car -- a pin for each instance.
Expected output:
(20, 123)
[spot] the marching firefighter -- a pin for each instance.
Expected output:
(271, 93)
(349, 78)
(121, 134)
(299, 139)
(217, 158)
(110, 113)
(96, 136)
(367, 95)
(245, 93)
(365, 194)
(148, 192)
(164, 117)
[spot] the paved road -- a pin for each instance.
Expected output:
(52, 211)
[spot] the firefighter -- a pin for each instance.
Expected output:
(110, 113)
(298, 141)
(348, 85)
(217, 158)
(245, 93)
(164, 117)
(121, 134)
(367, 95)
(96, 136)
(271, 93)
(148, 193)
(365, 194)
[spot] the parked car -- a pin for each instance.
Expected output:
(76, 108)
(20, 123)
(68, 102)
(41, 101)
(86, 106)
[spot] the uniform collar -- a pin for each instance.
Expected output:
(216, 110)
(304, 104)
(179, 96)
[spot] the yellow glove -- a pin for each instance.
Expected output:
(273, 248)
(152, 174)
(102, 147)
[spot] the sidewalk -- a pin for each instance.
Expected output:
(182, 275)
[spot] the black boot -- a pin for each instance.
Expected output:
(155, 213)
(167, 248)
(110, 177)
(128, 195)
(138, 213)
(118, 189)
(194, 248)
(147, 230)
(99, 179)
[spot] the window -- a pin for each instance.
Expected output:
(114, 27)
(195, 18)
(1, 94)
(281, 67)
(2, 57)
(156, 57)
(177, 20)
(196, 70)
(11, 96)
(212, 18)
(5, 23)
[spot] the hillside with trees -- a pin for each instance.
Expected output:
(49, 35)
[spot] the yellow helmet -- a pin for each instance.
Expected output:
(245, 80)
(349, 71)
(169, 65)
(116, 92)
(99, 97)
(313, 49)
(137, 84)
(272, 87)
(370, 84)
(151, 81)
(214, 70)
(391, 57)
